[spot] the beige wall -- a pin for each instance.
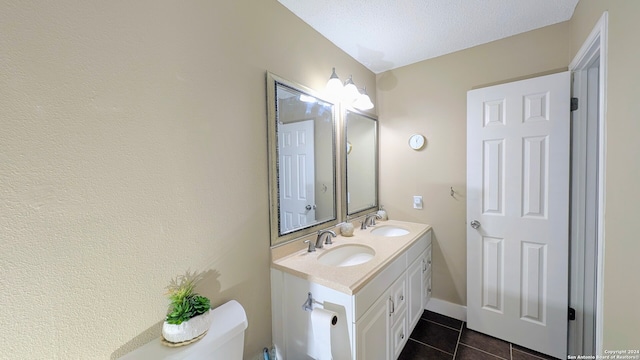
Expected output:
(430, 98)
(621, 292)
(132, 148)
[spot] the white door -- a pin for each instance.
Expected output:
(297, 175)
(518, 212)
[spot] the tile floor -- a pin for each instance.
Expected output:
(440, 337)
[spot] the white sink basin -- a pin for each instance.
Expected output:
(347, 255)
(389, 230)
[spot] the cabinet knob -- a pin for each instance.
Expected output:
(402, 336)
(401, 297)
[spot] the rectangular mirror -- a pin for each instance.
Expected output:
(361, 132)
(302, 160)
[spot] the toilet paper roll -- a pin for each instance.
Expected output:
(321, 322)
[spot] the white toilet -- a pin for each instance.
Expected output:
(224, 340)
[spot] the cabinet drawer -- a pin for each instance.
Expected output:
(399, 336)
(363, 300)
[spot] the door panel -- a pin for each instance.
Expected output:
(518, 192)
(493, 177)
(492, 274)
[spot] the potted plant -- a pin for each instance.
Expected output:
(189, 315)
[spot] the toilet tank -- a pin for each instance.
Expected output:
(224, 339)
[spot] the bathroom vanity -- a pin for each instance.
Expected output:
(378, 298)
(323, 171)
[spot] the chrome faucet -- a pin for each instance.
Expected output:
(324, 234)
(369, 220)
(324, 237)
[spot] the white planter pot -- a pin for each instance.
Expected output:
(188, 330)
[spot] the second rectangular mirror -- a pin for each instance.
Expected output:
(361, 155)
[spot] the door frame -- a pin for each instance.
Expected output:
(595, 46)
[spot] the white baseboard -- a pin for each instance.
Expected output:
(447, 308)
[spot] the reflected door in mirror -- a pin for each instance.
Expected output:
(297, 174)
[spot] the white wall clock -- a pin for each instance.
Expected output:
(416, 141)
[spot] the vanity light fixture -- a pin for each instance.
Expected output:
(334, 85)
(363, 102)
(348, 93)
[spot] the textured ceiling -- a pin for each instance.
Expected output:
(386, 34)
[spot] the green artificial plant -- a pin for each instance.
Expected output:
(185, 303)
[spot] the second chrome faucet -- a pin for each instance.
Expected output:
(370, 220)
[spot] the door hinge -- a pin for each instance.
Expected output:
(572, 314)
(574, 104)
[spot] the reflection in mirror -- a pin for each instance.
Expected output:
(362, 162)
(302, 160)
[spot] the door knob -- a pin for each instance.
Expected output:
(475, 224)
(309, 207)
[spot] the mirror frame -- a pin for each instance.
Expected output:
(277, 239)
(344, 165)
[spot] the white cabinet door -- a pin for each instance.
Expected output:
(372, 331)
(426, 276)
(427, 287)
(416, 290)
(427, 259)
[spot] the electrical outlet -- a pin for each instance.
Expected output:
(417, 202)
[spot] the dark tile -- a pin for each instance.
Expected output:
(438, 336)
(416, 351)
(441, 319)
(466, 353)
(485, 343)
(529, 352)
(519, 355)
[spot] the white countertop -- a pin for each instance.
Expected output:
(350, 279)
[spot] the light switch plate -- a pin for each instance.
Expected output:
(417, 202)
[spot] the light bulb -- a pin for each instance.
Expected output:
(363, 102)
(334, 85)
(350, 92)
